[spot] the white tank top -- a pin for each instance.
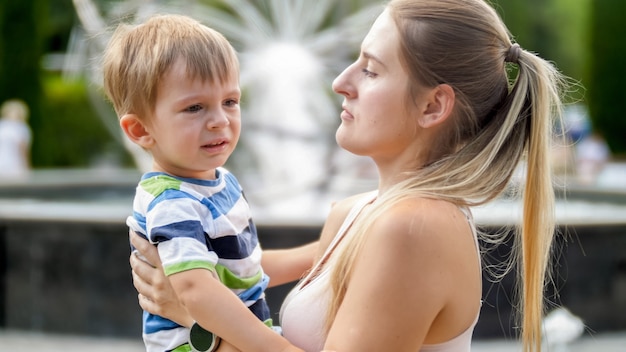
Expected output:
(304, 310)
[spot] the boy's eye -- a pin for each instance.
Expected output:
(231, 102)
(194, 108)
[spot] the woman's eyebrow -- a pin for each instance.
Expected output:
(373, 57)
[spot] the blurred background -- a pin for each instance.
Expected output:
(49, 61)
(67, 174)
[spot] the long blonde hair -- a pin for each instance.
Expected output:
(497, 120)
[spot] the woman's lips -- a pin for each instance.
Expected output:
(346, 115)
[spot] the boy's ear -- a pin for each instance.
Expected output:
(440, 102)
(136, 130)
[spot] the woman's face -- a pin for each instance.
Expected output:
(376, 120)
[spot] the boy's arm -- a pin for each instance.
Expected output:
(286, 265)
(156, 294)
(219, 310)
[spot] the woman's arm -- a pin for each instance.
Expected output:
(287, 265)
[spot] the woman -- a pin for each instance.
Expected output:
(429, 100)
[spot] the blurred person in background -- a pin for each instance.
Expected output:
(592, 154)
(15, 140)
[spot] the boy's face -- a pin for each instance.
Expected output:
(196, 124)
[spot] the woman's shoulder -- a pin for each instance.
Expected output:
(417, 208)
(418, 220)
(423, 248)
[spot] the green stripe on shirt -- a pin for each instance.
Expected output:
(184, 266)
(158, 184)
(233, 281)
(227, 277)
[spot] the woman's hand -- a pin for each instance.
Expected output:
(156, 294)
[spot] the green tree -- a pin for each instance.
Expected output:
(569, 21)
(607, 73)
(554, 29)
(525, 20)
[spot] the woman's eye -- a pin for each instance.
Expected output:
(194, 108)
(369, 73)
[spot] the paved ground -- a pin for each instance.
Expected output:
(28, 341)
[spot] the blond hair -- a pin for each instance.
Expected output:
(137, 57)
(496, 121)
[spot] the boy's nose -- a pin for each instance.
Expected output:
(218, 119)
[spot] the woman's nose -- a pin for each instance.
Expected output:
(342, 85)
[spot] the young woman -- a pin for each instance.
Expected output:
(430, 101)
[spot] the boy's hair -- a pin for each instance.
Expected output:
(138, 56)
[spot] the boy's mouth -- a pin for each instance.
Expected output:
(215, 145)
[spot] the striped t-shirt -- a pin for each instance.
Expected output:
(199, 224)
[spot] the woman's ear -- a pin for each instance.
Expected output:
(440, 102)
(135, 129)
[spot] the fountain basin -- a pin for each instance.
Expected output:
(64, 256)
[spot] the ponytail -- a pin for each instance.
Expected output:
(537, 85)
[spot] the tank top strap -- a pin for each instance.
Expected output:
(341, 233)
(470, 220)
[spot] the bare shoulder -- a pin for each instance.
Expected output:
(419, 252)
(423, 233)
(432, 242)
(422, 219)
